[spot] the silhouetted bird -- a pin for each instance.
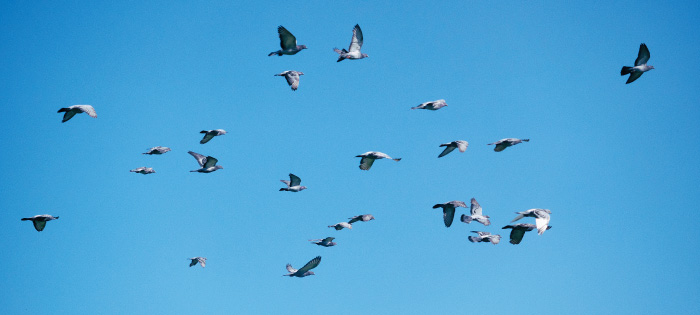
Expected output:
(143, 170)
(288, 43)
(341, 225)
(434, 105)
(157, 150)
(448, 210)
(518, 231)
(485, 237)
(363, 218)
(326, 242)
(292, 78)
(195, 260)
(640, 65)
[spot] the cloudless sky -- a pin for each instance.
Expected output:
(617, 164)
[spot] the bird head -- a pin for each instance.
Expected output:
(219, 167)
(365, 55)
(302, 187)
(309, 273)
(651, 67)
(303, 47)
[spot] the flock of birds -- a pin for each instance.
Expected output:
(288, 44)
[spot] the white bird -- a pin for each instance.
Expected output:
(541, 218)
(292, 78)
(362, 217)
(209, 134)
(304, 271)
(207, 163)
(70, 111)
(288, 43)
(353, 51)
(369, 157)
(341, 225)
(293, 184)
(39, 221)
(157, 150)
(434, 105)
(326, 242)
(476, 215)
(518, 231)
(143, 170)
(448, 210)
(507, 142)
(640, 65)
(451, 146)
(485, 237)
(201, 260)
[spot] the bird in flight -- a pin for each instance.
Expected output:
(434, 105)
(363, 218)
(518, 231)
(198, 260)
(448, 210)
(288, 43)
(207, 163)
(292, 78)
(326, 242)
(293, 184)
(304, 271)
(485, 237)
(369, 157)
(640, 65)
(507, 142)
(70, 111)
(476, 215)
(341, 225)
(209, 134)
(541, 218)
(451, 146)
(353, 51)
(157, 150)
(143, 170)
(39, 221)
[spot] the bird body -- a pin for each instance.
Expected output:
(157, 150)
(70, 111)
(640, 65)
(362, 217)
(541, 218)
(304, 271)
(476, 215)
(293, 184)
(353, 52)
(451, 146)
(292, 78)
(326, 242)
(210, 134)
(369, 157)
(207, 163)
(448, 210)
(341, 225)
(288, 43)
(507, 142)
(518, 231)
(143, 170)
(485, 237)
(39, 221)
(433, 105)
(198, 260)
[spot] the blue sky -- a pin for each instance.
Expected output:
(616, 164)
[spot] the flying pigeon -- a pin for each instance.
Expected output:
(476, 215)
(485, 237)
(369, 157)
(434, 105)
(40, 221)
(326, 242)
(157, 150)
(293, 184)
(304, 271)
(143, 170)
(518, 231)
(207, 163)
(451, 146)
(448, 210)
(355, 46)
(507, 142)
(201, 260)
(292, 78)
(288, 43)
(541, 218)
(209, 134)
(363, 218)
(70, 111)
(640, 65)
(341, 225)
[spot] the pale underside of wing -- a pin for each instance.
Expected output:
(462, 145)
(475, 207)
(541, 224)
(201, 159)
(290, 269)
(88, 110)
(357, 39)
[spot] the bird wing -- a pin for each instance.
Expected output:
(462, 145)
(193, 262)
(516, 235)
(202, 261)
(448, 214)
(290, 269)
(355, 219)
(294, 180)
(356, 42)
(68, 115)
(286, 182)
(633, 76)
(482, 233)
(292, 80)
(475, 208)
(287, 40)
(327, 240)
(91, 110)
(542, 223)
(366, 163)
(39, 225)
(458, 203)
(520, 216)
(500, 147)
(201, 159)
(310, 265)
(209, 162)
(207, 136)
(447, 150)
(643, 55)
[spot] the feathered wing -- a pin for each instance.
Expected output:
(357, 38)
(294, 180)
(475, 207)
(643, 56)
(201, 159)
(447, 150)
(448, 214)
(355, 219)
(68, 115)
(309, 265)
(193, 262)
(326, 241)
(495, 239)
(88, 110)
(290, 269)
(286, 182)
(292, 80)
(39, 225)
(209, 162)
(287, 40)
(462, 145)
(516, 236)
(366, 163)
(633, 76)
(520, 216)
(542, 223)
(202, 261)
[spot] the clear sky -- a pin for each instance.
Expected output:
(617, 164)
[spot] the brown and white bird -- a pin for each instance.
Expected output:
(198, 260)
(476, 215)
(304, 271)
(640, 65)
(353, 52)
(70, 111)
(451, 146)
(288, 43)
(448, 210)
(369, 157)
(39, 221)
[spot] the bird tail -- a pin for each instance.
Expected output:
(274, 53)
(341, 58)
(56, 217)
(526, 140)
(26, 219)
(466, 219)
(626, 70)
(399, 159)
(437, 206)
(63, 110)
(520, 216)
(284, 189)
(507, 227)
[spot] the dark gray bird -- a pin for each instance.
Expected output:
(207, 163)
(476, 215)
(288, 43)
(541, 218)
(369, 157)
(518, 231)
(195, 260)
(507, 142)
(143, 170)
(70, 111)
(209, 134)
(304, 271)
(434, 105)
(292, 78)
(157, 150)
(451, 146)
(353, 51)
(326, 242)
(39, 221)
(362, 217)
(448, 210)
(293, 184)
(485, 237)
(640, 65)
(341, 225)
